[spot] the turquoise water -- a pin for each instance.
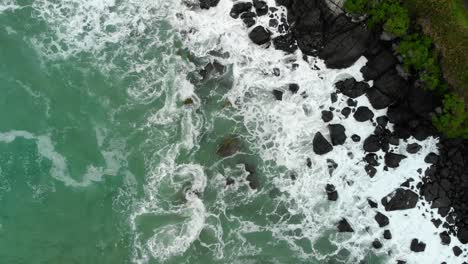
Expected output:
(102, 162)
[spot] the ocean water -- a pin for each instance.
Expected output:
(102, 162)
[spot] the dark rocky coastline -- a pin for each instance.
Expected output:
(317, 30)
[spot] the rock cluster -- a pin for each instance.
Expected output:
(445, 185)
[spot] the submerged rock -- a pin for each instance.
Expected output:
(400, 199)
(229, 146)
(344, 226)
(321, 146)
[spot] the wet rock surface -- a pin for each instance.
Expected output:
(321, 145)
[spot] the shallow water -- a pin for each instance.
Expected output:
(102, 162)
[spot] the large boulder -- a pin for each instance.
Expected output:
(392, 85)
(206, 4)
(351, 88)
(239, 8)
(400, 199)
(378, 65)
(285, 43)
(321, 146)
(372, 144)
(345, 48)
(378, 99)
(260, 35)
(261, 7)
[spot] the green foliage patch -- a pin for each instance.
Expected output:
(418, 58)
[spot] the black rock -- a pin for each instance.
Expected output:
(356, 138)
(372, 144)
(345, 48)
(248, 18)
(278, 94)
(273, 23)
(371, 203)
(351, 88)
(372, 159)
(445, 238)
(229, 181)
(363, 114)
(285, 43)
(337, 134)
(382, 121)
(431, 158)
(413, 148)
(351, 102)
(392, 160)
(293, 87)
(346, 111)
(261, 7)
(399, 114)
(260, 35)
(321, 146)
(370, 170)
(344, 226)
(381, 219)
(206, 4)
(377, 99)
(462, 235)
(417, 246)
(327, 116)
(376, 244)
(387, 234)
(309, 163)
(392, 85)
(457, 251)
(333, 97)
(400, 199)
(239, 8)
(332, 194)
(378, 65)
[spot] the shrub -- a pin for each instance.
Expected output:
(356, 6)
(453, 121)
(391, 15)
(417, 55)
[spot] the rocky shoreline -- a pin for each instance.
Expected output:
(317, 29)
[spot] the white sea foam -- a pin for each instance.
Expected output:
(59, 168)
(282, 131)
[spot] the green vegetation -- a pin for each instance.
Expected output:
(445, 33)
(454, 120)
(418, 56)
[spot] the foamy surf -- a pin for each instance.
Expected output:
(281, 131)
